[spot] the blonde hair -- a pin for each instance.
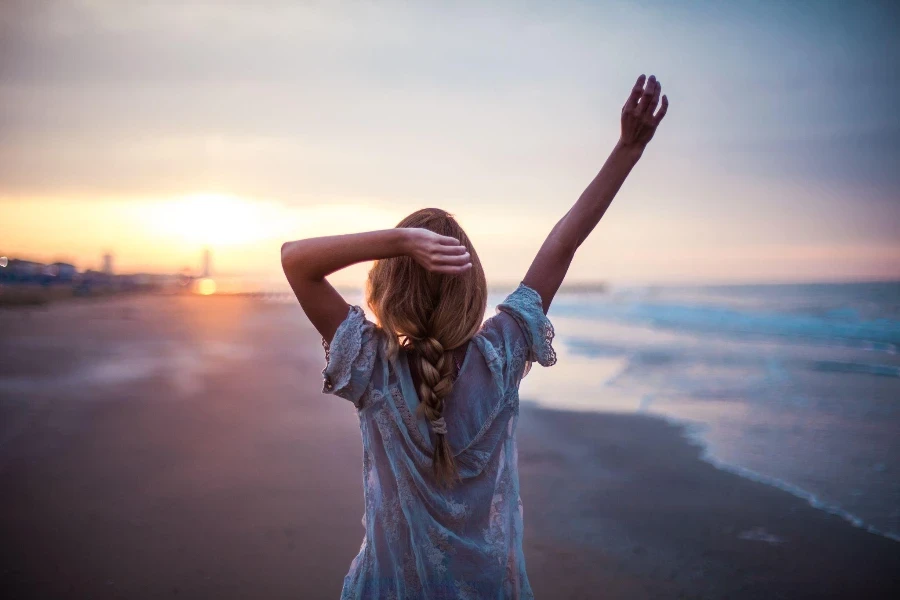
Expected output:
(429, 314)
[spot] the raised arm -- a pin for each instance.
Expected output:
(307, 262)
(639, 123)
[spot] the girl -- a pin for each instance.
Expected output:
(436, 390)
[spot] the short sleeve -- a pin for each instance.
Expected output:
(525, 307)
(350, 357)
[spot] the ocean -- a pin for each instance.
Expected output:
(797, 386)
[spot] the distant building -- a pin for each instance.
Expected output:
(30, 272)
(207, 264)
(62, 272)
(108, 264)
(22, 271)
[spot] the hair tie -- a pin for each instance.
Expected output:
(439, 426)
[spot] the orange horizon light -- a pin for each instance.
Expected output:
(206, 287)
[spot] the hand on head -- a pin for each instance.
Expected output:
(437, 253)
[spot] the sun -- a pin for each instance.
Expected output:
(206, 287)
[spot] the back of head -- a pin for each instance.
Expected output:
(429, 314)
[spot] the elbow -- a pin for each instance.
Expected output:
(295, 261)
(285, 253)
(289, 255)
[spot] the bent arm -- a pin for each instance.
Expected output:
(307, 262)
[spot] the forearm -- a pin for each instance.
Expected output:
(316, 258)
(549, 268)
(582, 218)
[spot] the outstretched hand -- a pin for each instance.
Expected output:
(638, 121)
(437, 253)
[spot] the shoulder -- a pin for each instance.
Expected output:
(498, 330)
(517, 335)
(525, 307)
(500, 340)
(352, 354)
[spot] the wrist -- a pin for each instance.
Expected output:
(631, 151)
(402, 240)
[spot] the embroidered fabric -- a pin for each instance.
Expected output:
(350, 356)
(526, 307)
(420, 540)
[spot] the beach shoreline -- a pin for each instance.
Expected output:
(174, 447)
(644, 504)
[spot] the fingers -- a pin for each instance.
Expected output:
(452, 269)
(450, 250)
(452, 259)
(636, 91)
(451, 263)
(655, 101)
(447, 240)
(450, 246)
(638, 119)
(647, 105)
(661, 112)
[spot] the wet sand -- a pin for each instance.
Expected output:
(180, 447)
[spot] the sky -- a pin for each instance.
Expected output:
(155, 129)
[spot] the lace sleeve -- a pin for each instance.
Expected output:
(524, 305)
(350, 357)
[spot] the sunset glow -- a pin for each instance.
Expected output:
(238, 147)
(206, 287)
(210, 219)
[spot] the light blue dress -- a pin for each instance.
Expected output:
(421, 541)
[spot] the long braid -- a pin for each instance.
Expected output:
(436, 370)
(429, 314)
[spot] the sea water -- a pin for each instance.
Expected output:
(794, 385)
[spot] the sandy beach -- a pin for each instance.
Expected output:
(180, 447)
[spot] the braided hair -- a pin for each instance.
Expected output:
(429, 315)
